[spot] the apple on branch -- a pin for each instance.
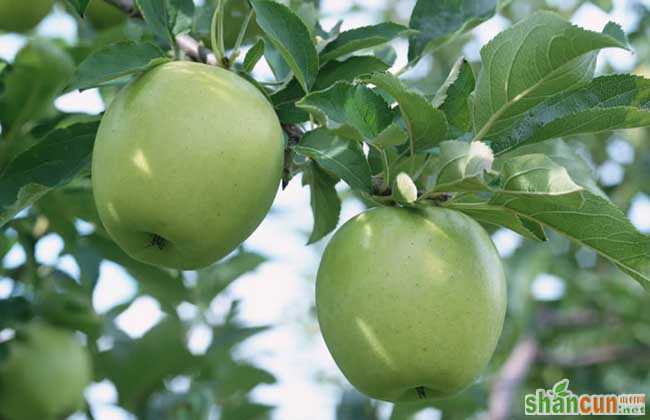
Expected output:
(187, 161)
(411, 302)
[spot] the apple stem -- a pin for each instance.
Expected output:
(421, 392)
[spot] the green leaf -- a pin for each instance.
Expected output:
(426, 125)
(128, 365)
(52, 162)
(244, 410)
(167, 18)
(400, 161)
(39, 72)
(393, 135)
(345, 104)
(606, 103)
(253, 55)
(181, 15)
(115, 61)
(348, 70)
(386, 53)
(439, 22)
(614, 30)
(536, 176)
(14, 310)
(328, 35)
(79, 6)
(595, 223)
(564, 155)
(529, 62)
(361, 38)
(288, 33)
(342, 157)
(196, 403)
(278, 65)
(156, 16)
(229, 334)
(453, 96)
(483, 212)
(71, 308)
(63, 207)
(213, 280)
(235, 379)
(461, 166)
(325, 202)
(288, 113)
(89, 260)
(332, 72)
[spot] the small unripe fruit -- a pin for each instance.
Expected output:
(404, 189)
(22, 15)
(103, 15)
(44, 375)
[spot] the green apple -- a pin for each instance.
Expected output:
(103, 15)
(411, 302)
(44, 374)
(187, 161)
(22, 15)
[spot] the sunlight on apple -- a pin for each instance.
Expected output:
(140, 161)
(376, 345)
(113, 212)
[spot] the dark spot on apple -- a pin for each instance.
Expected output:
(158, 241)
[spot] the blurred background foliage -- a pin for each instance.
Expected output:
(571, 314)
